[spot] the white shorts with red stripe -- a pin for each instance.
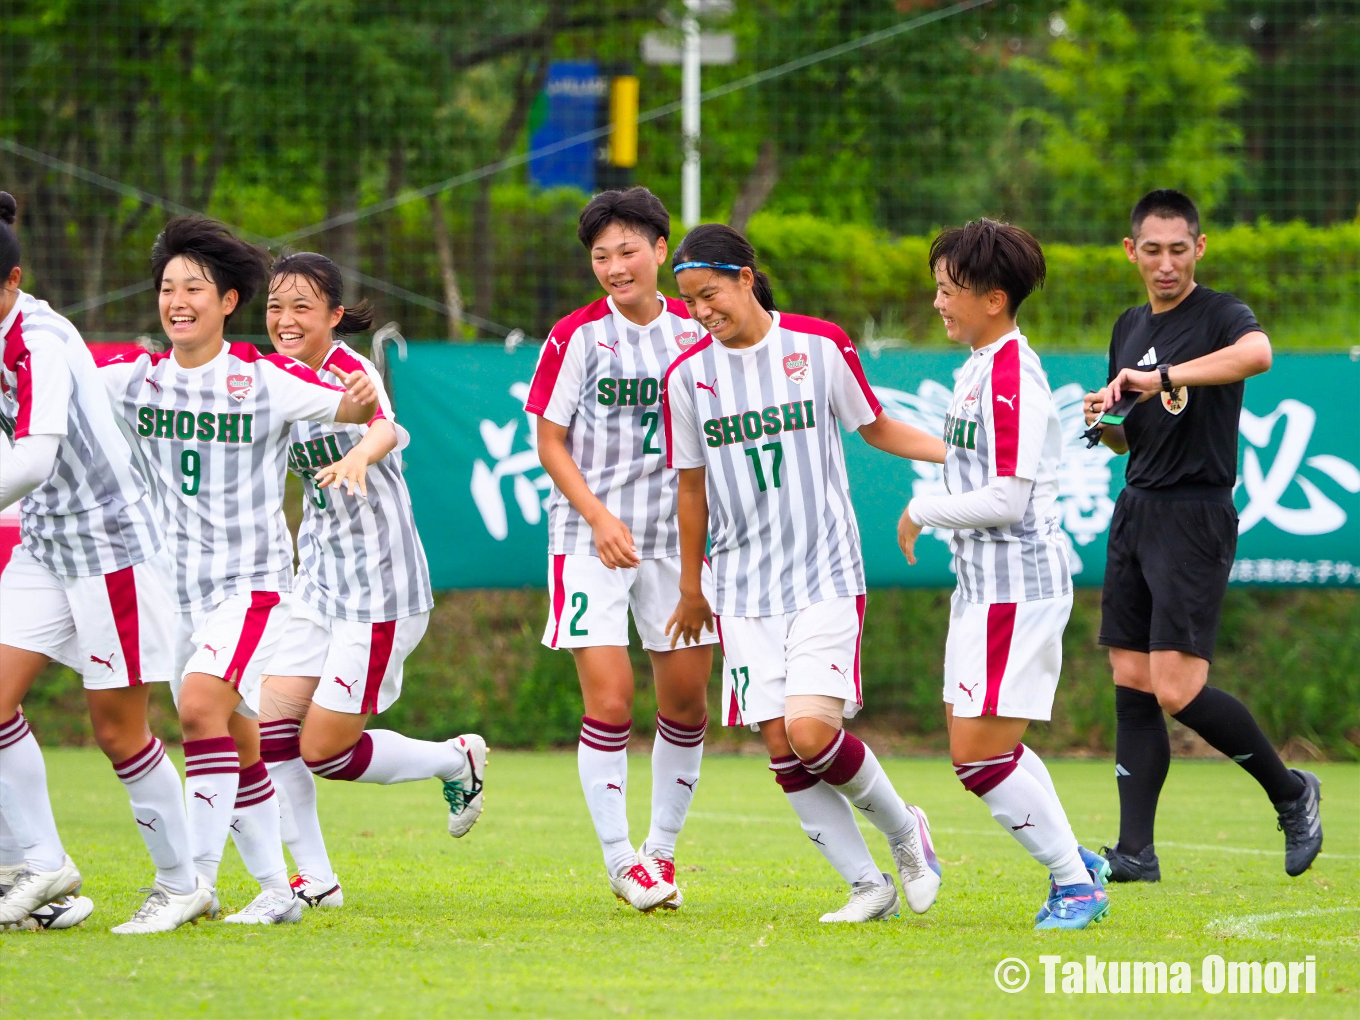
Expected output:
(769, 658)
(115, 630)
(588, 603)
(359, 664)
(234, 640)
(1003, 658)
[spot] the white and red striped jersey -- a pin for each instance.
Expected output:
(1002, 421)
(765, 422)
(600, 375)
(215, 439)
(358, 558)
(95, 514)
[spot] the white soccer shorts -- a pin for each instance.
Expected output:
(1003, 658)
(234, 640)
(588, 603)
(359, 664)
(769, 658)
(115, 630)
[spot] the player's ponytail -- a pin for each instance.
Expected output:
(324, 275)
(718, 247)
(9, 240)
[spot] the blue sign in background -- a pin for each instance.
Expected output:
(568, 105)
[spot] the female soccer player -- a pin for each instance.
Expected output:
(89, 587)
(213, 420)
(754, 412)
(362, 599)
(1014, 595)
(613, 541)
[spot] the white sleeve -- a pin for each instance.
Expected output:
(26, 464)
(684, 441)
(296, 394)
(117, 374)
(852, 400)
(1002, 502)
(555, 392)
(44, 395)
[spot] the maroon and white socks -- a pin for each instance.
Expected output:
(677, 754)
(1028, 808)
(602, 761)
(384, 756)
(157, 799)
(828, 820)
(848, 764)
(299, 825)
(23, 796)
(211, 772)
(255, 828)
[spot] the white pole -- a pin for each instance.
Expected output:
(689, 104)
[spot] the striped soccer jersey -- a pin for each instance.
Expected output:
(215, 439)
(1002, 421)
(358, 559)
(95, 514)
(600, 376)
(765, 422)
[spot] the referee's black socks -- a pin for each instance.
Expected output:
(1142, 755)
(1228, 726)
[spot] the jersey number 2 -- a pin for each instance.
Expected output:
(650, 419)
(580, 601)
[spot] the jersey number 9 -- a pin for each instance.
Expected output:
(188, 465)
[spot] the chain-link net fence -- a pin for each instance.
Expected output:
(440, 149)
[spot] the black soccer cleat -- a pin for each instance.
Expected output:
(1140, 867)
(1302, 825)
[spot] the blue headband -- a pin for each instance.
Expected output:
(707, 265)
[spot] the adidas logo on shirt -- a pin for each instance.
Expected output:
(1148, 360)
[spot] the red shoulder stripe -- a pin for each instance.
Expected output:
(347, 362)
(19, 361)
(832, 332)
(677, 307)
(1006, 406)
(703, 342)
(555, 351)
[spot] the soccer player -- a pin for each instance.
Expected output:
(362, 599)
(88, 587)
(754, 413)
(613, 540)
(1014, 595)
(1187, 352)
(213, 421)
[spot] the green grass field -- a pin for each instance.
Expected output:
(517, 919)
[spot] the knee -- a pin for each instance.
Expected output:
(614, 708)
(199, 717)
(808, 737)
(317, 745)
(117, 739)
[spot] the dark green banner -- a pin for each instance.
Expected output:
(478, 488)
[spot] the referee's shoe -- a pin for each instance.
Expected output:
(1302, 825)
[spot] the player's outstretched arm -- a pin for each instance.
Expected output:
(613, 541)
(903, 440)
(351, 470)
(360, 402)
(25, 464)
(693, 615)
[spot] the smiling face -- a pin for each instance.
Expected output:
(723, 304)
(299, 320)
(625, 263)
(193, 313)
(1165, 252)
(968, 316)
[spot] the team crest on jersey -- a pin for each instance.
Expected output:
(1176, 400)
(687, 339)
(239, 386)
(796, 367)
(970, 402)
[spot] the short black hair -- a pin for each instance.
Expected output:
(636, 207)
(1166, 204)
(324, 275)
(9, 240)
(233, 264)
(986, 255)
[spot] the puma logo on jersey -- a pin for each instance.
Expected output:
(209, 797)
(968, 690)
(210, 648)
(840, 671)
(614, 786)
(611, 348)
(154, 385)
(711, 388)
(1008, 401)
(1148, 360)
(349, 687)
(1026, 824)
(689, 786)
(104, 662)
(150, 825)
(557, 344)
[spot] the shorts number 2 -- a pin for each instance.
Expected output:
(580, 601)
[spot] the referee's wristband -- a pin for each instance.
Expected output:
(1165, 371)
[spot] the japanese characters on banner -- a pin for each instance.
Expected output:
(479, 490)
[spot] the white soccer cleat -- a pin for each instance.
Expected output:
(917, 865)
(664, 869)
(166, 911)
(318, 894)
(464, 794)
(270, 907)
(642, 888)
(34, 889)
(66, 912)
(868, 901)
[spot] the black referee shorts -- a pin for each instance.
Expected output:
(1166, 570)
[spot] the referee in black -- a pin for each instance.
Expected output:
(1174, 534)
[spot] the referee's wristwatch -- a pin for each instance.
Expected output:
(1165, 371)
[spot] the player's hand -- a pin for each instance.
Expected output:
(1093, 405)
(908, 531)
(1135, 381)
(359, 387)
(614, 542)
(691, 618)
(349, 471)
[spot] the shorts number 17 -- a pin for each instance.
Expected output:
(776, 451)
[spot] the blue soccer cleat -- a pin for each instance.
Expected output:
(1076, 906)
(1098, 867)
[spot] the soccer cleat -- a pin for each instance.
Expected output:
(272, 906)
(1096, 866)
(641, 888)
(917, 865)
(1075, 906)
(868, 901)
(664, 869)
(33, 889)
(1140, 867)
(1302, 825)
(317, 894)
(464, 794)
(166, 911)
